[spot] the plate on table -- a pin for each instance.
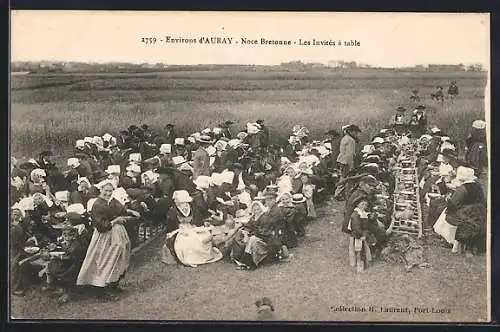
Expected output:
(60, 225)
(60, 214)
(31, 250)
(56, 253)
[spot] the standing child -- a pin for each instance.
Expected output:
(357, 227)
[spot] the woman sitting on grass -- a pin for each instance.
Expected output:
(463, 222)
(190, 243)
(258, 241)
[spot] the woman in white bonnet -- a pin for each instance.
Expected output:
(108, 255)
(463, 223)
(189, 242)
(476, 150)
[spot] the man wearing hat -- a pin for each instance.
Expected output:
(265, 132)
(345, 159)
(123, 140)
(169, 134)
(55, 178)
(201, 159)
(433, 149)
(418, 122)
(399, 124)
(334, 139)
(131, 179)
(226, 129)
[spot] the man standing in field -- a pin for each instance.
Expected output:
(345, 160)
(201, 159)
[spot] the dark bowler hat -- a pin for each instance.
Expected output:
(169, 125)
(333, 133)
(46, 153)
(400, 109)
(18, 172)
(259, 122)
(420, 107)
(164, 170)
(228, 123)
(100, 175)
(132, 128)
(237, 166)
(449, 153)
(354, 128)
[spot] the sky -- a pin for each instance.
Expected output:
(386, 39)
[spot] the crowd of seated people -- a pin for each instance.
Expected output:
(217, 194)
(452, 200)
(223, 195)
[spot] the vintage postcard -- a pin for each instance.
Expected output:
(250, 166)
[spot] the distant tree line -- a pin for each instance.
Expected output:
(61, 67)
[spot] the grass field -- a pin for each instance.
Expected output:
(316, 281)
(53, 110)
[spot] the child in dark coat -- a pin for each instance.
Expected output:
(63, 269)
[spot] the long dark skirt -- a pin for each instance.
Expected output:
(471, 225)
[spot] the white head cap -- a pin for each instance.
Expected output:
(135, 157)
(73, 162)
(166, 148)
(133, 168)
(113, 169)
(479, 124)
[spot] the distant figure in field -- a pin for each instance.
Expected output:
(453, 90)
(414, 98)
(438, 94)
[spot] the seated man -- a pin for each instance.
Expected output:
(63, 270)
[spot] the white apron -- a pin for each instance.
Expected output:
(107, 259)
(445, 229)
(193, 246)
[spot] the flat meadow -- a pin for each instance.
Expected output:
(53, 110)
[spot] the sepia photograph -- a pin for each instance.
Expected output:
(249, 166)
